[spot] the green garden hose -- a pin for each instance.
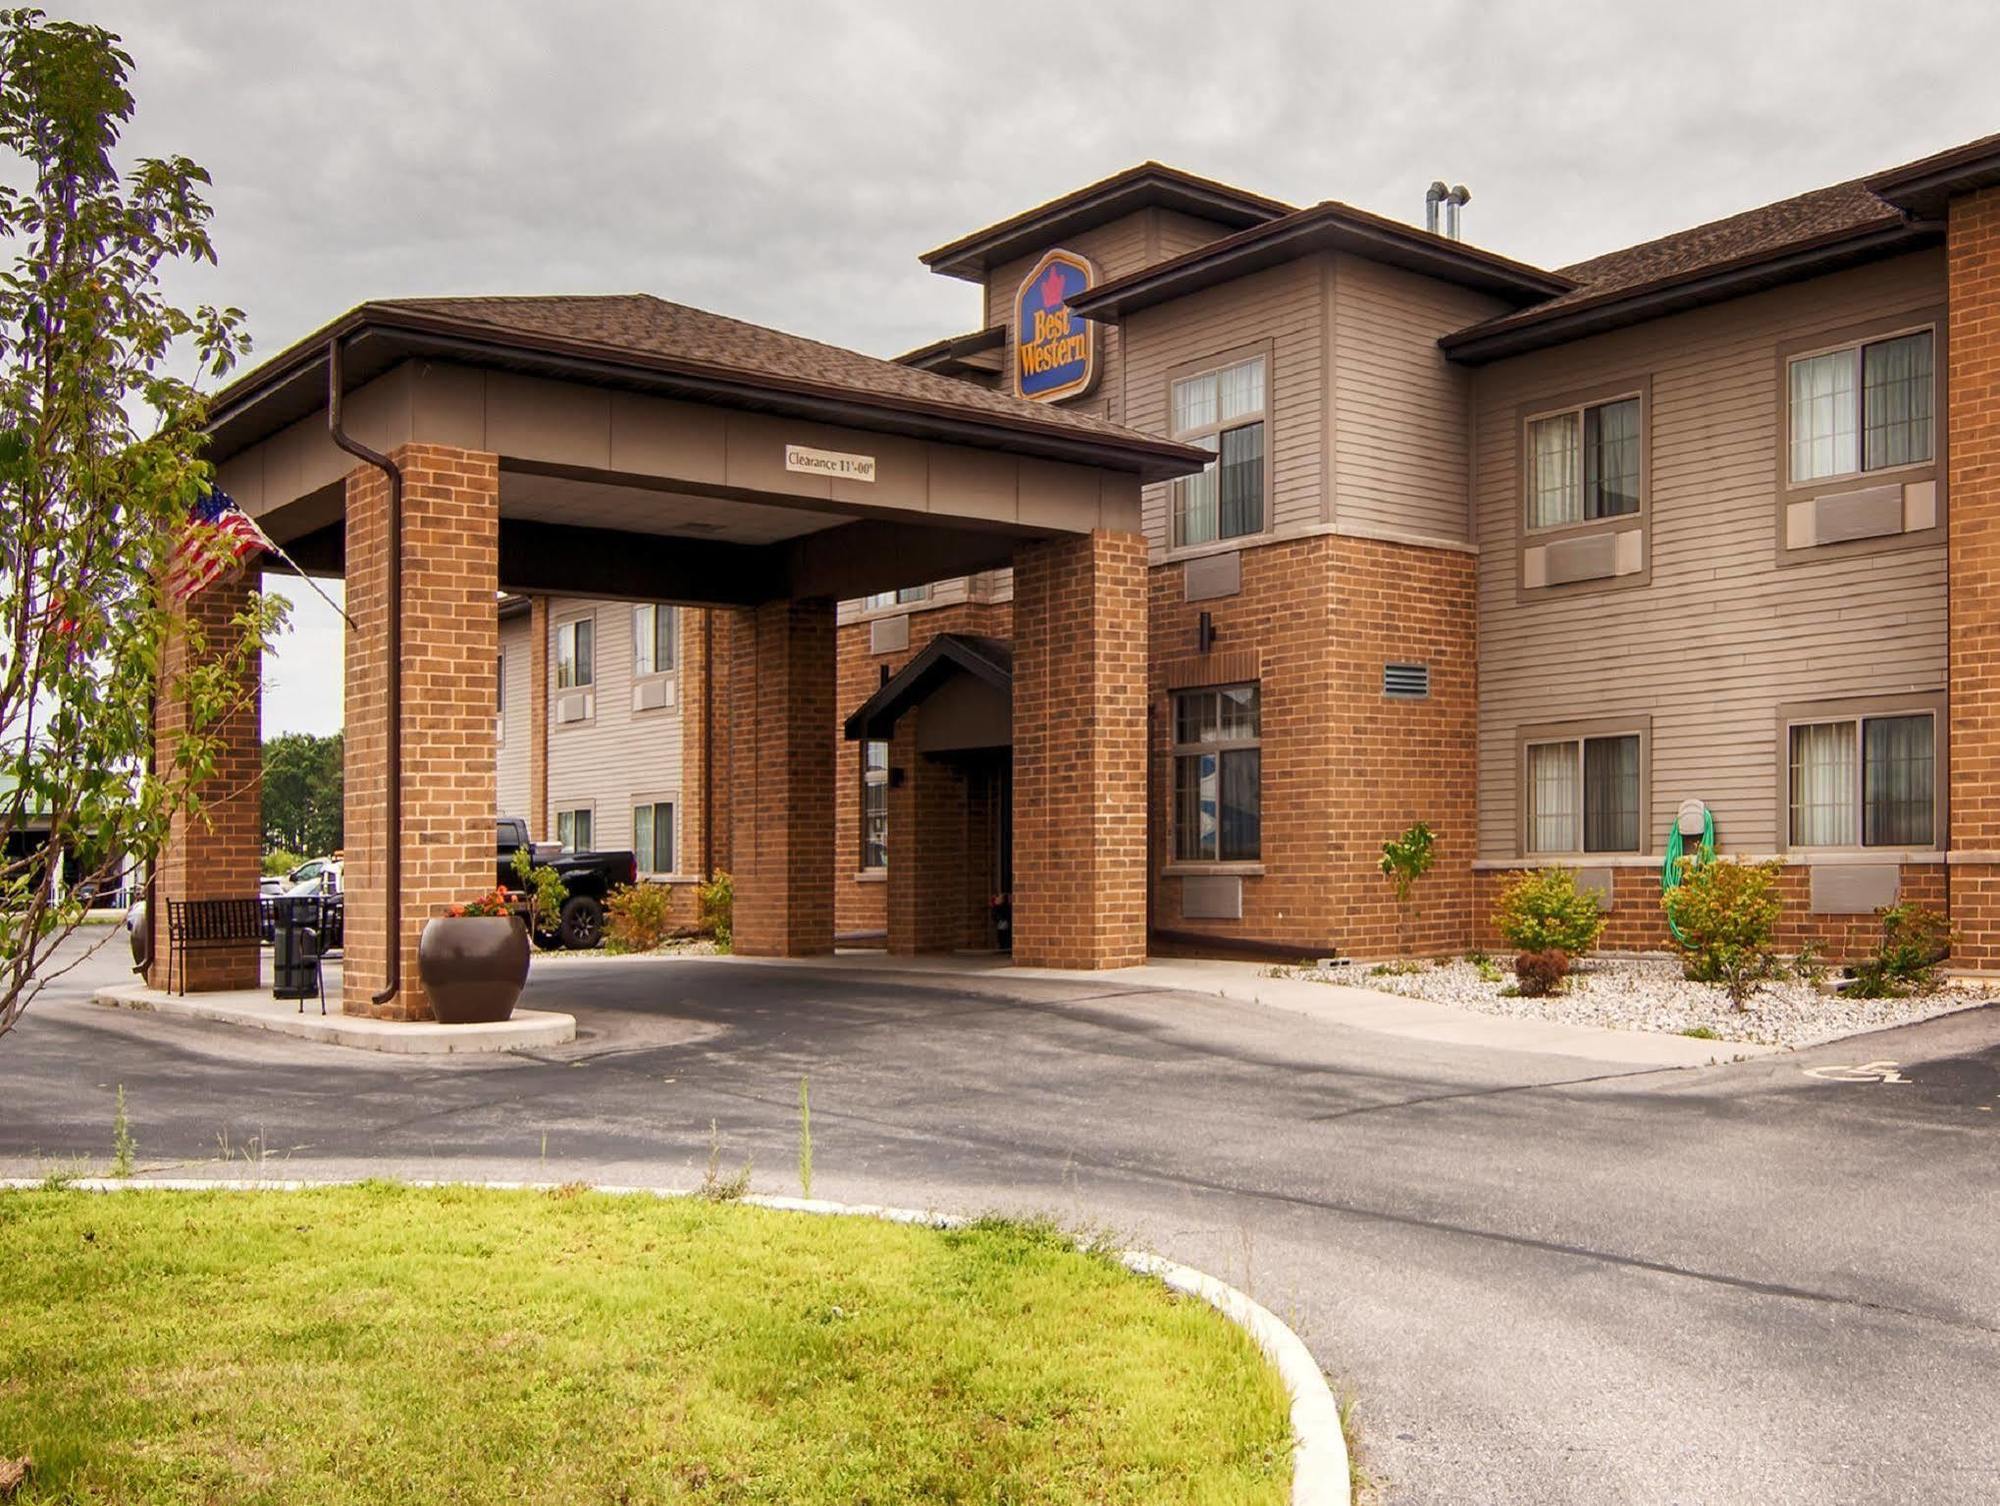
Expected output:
(1670, 869)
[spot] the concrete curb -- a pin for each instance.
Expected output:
(1320, 1474)
(257, 1010)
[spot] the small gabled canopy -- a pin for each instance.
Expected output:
(989, 660)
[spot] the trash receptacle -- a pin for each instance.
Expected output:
(295, 970)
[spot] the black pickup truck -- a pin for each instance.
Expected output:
(589, 877)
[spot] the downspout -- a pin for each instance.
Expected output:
(708, 745)
(393, 794)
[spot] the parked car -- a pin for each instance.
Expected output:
(271, 885)
(589, 877)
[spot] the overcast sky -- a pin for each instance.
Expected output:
(786, 163)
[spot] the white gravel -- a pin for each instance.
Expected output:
(1646, 993)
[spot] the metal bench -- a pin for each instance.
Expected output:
(209, 925)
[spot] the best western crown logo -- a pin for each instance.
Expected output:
(1055, 350)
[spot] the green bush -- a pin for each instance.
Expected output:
(1540, 973)
(636, 918)
(1725, 915)
(278, 862)
(1543, 908)
(1915, 939)
(718, 904)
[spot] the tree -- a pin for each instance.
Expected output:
(304, 776)
(91, 504)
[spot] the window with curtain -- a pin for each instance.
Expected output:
(1583, 795)
(1866, 407)
(1222, 411)
(1869, 781)
(1218, 765)
(573, 829)
(902, 597)
(655, 639)
(575, 653)
(653, 836)
(874, 805)
(1584, 464)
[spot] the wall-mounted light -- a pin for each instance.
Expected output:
(1204, 633)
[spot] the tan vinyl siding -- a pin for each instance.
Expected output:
(511, 788)
(1400, 453)
(621, 756)
(1285, 306)
(1722, 635)
(1176, 234)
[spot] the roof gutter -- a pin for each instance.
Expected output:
(392, 871)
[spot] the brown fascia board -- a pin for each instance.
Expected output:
(1536, 329)
(281, 391)
(1150, 185)
(953, 349)
(1925, 186)
(1330, 226)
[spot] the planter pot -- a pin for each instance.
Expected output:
(473, 967)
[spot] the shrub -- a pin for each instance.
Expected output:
(1542, 972)
(1543, 909)
(718, 903)
(278, 862)
(1915, 939)
(1724, 915)
(636, 917)
(547, 893)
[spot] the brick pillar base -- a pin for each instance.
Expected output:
(451, 543)
(927, 848)
(214, 853)
(1080, 752)
(1972, 460)
(782, 779)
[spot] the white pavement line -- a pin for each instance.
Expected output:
(1319, 1448)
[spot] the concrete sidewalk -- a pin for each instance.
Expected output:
(255, 1009)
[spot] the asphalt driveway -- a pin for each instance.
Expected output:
(1545, 1279)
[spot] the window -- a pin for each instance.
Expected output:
(573, 830)
(656, 636)
(1583, 794)
(575, 653)
(653, 836)
(1868, 780)
(1218, 810)
(1222, 411)
(1584, 464)
(1866, 407)
(874, 805)
(903, 597)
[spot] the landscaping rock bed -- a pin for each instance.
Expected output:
(1647, 993)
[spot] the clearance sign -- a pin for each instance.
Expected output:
(1055, 351)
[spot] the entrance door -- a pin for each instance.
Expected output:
(999, 803)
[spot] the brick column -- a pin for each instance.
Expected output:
(451, 539)
(538, 719)
(782, 778)
(1080, 752)
(213, 853)
(1972, 493)
(927, 848)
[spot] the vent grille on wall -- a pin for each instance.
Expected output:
(1406, 682)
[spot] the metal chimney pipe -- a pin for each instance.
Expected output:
(1455, 201)
(1432, 196)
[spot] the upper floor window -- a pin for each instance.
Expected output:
(904, 597)
(1583, 794)
(1864, 407)
(1223, 411)
(1584, 463)
(655, 640)
(1868, 781)
(576, 653)
(1218, 769)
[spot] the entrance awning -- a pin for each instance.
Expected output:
(989, 660)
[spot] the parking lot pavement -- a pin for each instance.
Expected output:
(1546, 1279)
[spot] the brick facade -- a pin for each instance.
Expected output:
(1080, 751)
(1973, 486)
(782, 781)
(214, 852)
(450, 551)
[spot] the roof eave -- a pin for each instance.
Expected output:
(1926, 187)
(1479, 344)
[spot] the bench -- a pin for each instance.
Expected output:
(208, 925)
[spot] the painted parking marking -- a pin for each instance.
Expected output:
(1866, 1072)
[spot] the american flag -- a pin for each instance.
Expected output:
(218, 537)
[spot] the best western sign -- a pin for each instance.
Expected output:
(1055, 351)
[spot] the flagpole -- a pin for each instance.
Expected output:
(300, 571)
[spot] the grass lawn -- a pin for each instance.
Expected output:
(382, 1344)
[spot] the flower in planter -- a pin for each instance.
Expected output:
(494, 902)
